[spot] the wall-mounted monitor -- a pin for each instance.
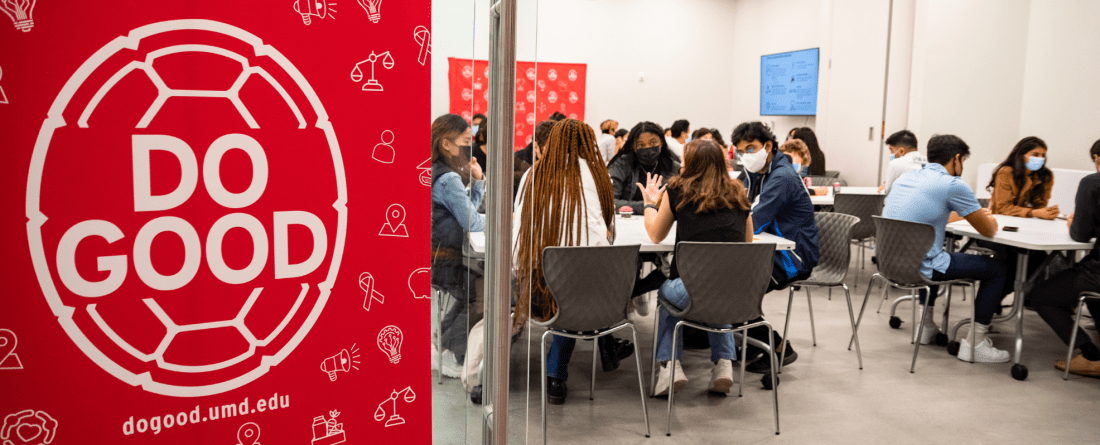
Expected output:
(788, 83)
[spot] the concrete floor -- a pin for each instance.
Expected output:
(823, 398)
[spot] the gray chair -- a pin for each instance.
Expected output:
(834, 233)
(826, 181)
(591, 286)
(1077, 325)
(900, 248)
(719, 297)
(863, 207)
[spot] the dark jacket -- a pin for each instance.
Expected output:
(785, 210)
(626, 173)
(1086, 226)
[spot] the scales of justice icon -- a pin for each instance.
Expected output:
(395, 419)
(372, 83)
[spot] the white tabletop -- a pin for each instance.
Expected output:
(1034, 234)
(632, 231)
(827, 200)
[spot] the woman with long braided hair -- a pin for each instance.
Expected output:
(565, 200)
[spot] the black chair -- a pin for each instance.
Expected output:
(719, 297)
(900, 248)
(1076, 326)
(863, 207)
(833, 232)
(591, 286)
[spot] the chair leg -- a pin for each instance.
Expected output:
(1072, 337)
(813, 331)
(973, 324)
(775, 366)
(439, 331)
(542, 346)
(653, 363)
(831, 291)
(920, 331)
(744, 356)
(947, 309)
(641, 381)
(861, 309)
(916, 301)
(852, 318)
(595, 349)
(787, 324)
(885, 296)
(672, 376)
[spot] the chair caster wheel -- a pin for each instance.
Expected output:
(953, 348)
(895, 322)
(1019, 372)
(767, 381)
(941, 339)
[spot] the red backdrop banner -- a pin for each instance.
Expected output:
(203, 254)
(541, 89)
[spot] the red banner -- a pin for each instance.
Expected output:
(541, 89)
(204, 256)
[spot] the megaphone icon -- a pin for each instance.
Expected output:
(342, 362)
(316, 8)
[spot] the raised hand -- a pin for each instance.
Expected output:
(653, 190)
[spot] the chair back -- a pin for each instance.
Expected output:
(833, 237)
(591, 285)
(826, 181)
(900, 246)
(862, 207)
(726, 281)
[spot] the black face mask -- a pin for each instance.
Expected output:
(648, 156)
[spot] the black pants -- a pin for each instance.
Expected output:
(1056, 298)
(761, 332)
(459, 284)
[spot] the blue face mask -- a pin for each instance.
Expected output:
(892, 156)
(797, 166)
(474, 128)
(1034, 163)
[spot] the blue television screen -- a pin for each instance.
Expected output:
(788, 83)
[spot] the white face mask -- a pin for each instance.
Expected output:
(754, 162)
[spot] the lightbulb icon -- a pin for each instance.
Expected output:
(343, 362)
(373, 8)
(316, 8)
(20, 12)
(389, 341)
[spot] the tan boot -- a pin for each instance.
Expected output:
(1081, 366)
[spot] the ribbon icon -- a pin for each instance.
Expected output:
(424, 39)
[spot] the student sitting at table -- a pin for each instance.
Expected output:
(904, 157)
(781, 207)
(1021, 187)
(929, 196)
(800, 157)
(806, 134)
(708, 206)
(569, 179)
(1056, 298)
(454, 212)
(645, 152)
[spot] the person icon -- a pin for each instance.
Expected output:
(384, 152)
(395, 222)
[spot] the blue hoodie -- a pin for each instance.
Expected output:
(784, 210)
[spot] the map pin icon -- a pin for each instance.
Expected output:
(395, 222)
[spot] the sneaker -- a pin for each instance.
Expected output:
(984, 352)
(1080, 366)
(929, 334)
(721, 377)
(641, 305)
(451, 367)
(664, 375)
(763, 365)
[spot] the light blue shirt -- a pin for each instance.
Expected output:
(928, 196)
(462, 203)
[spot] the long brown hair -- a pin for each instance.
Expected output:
(1018, 164)
(553, 201)
(704, 181)
(450, 127)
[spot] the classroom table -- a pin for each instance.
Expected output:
(827, 200)
(632, 231)
(1033, 234)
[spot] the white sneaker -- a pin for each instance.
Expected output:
(664, 375)
(930, 331)
(721, 377)
(641, 304)
(984, 352)
(435, 357)
(451, 367)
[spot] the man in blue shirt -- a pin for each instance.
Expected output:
(930, 195)
(781, 207)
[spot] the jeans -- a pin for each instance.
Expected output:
(561, 350)
(673, 291)
(1056, 298)
(991, 276)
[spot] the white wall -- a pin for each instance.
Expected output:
(680, 46)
